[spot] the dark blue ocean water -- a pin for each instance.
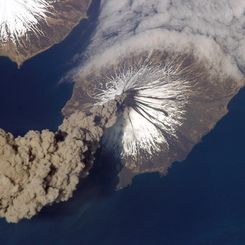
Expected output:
(200, 202)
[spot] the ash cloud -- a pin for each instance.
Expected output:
(41, 168)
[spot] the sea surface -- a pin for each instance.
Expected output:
(200, 202)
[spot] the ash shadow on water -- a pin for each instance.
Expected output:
(101, 183)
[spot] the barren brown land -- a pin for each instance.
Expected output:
(61, 19)
(208, 96)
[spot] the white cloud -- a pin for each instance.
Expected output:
(222, 21)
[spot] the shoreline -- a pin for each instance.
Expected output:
(20, 62)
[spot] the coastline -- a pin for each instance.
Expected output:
(20, 61)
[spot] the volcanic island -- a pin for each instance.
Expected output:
(170, 102)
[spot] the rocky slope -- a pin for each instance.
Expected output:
(171, 101)
(30, 27)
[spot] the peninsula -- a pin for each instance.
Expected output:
(29, 29)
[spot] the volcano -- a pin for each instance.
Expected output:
(28, 27)
(170, 100)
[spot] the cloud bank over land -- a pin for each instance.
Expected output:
(219, 21)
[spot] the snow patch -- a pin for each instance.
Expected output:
(19, 17)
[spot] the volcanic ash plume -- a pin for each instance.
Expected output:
(45, 167)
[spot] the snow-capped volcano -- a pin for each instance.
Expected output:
(169, 101)
(17, 17)
(156, 97)
(28, 27)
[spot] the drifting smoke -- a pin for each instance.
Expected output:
(45, 167)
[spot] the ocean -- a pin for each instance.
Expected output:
(200, 202)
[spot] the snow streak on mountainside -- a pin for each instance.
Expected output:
(28, 27)
(155, 104)
(17, 17)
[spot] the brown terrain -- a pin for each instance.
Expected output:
(60, 22)
(208, 100)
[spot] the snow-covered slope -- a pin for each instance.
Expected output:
(18, 17)
(170, 103)
(28, 27)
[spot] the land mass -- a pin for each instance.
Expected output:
(59, 22)
(197, 107)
